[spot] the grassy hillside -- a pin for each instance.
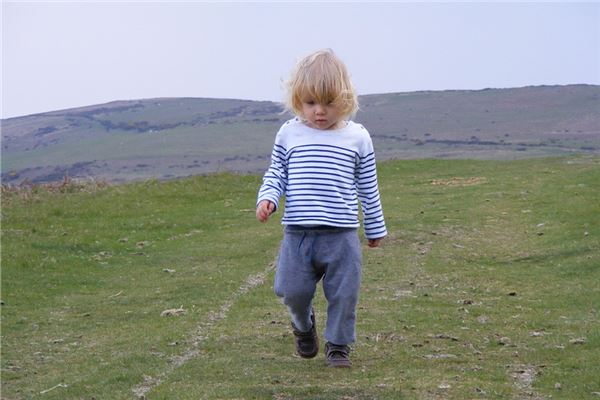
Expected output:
(175, 137)
(487, 287)
(491, 123)
(126, 140)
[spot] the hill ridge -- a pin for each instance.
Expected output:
(63, 110)
(168, 137)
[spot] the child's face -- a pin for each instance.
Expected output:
(321, 116)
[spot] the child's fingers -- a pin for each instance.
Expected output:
(262, 215)
(374, 242)
(264, 209)
(259, 213)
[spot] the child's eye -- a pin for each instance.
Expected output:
(310, 102)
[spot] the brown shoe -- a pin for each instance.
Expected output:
(337, 356)
(307, 343)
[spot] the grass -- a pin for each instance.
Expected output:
(487, 287)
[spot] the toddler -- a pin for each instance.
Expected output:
(324, 164)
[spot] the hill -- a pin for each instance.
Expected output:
(175, 137)
(486, 288)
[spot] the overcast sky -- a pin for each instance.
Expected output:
(58, 55)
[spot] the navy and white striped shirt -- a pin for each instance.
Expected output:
(324, 174)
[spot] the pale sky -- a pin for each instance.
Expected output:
(58, 55)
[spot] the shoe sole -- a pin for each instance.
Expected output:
(308, 355)
(339, 365)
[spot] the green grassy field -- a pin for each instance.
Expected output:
(488, 287)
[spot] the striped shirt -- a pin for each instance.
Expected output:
(323, 175)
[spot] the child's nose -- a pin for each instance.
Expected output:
(319, 109)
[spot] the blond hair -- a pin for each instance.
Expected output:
(323, 78)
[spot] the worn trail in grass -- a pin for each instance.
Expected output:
(487, 287)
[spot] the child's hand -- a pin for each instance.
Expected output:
(264, 209)
(374, 242)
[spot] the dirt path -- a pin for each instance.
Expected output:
(200, 334)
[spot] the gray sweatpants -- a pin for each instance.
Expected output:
(308, 255)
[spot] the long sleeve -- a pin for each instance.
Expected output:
(368, 194)
(275, 179)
